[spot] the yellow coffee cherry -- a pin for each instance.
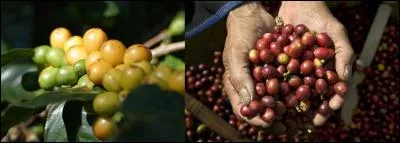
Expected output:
(75, 54)
(176, 81)
(93, 39)
(72, 41)
(136, 53)
(104, 127)
(59, 36)
(131, 77)
(122, 67)
(111, 80)
(97, 71)
(145, 65)
(92, 58)
(163, 71)
(112, 52)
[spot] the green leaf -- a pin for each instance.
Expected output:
(54, 130)
(4, 47)
(174, 62)
(67, 122)
(58, 96)
(12, 89)
(111, 10)
(151, 114)
(16, 54)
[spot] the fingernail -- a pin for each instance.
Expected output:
(348, 72)
(245, 96)
(336, 102)
(319, 120)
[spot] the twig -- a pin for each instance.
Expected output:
(165, 49)
(159, 37)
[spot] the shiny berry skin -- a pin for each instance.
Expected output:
(137, 52)
(306, 67)
(323, 40)
(267, 56)
(272, 86)
(93, 39)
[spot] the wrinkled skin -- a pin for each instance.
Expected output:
(248, 22)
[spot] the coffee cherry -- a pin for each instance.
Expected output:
(267, 56)
(85, 82)
(308, 39)
(66, 76)
(287, 29)
(283, 59)
(55, 57)
(47, 78)
(254, 56)
(295, 81)
(98, 70)
(256, 106)
(324, 109)
(260, 89)
(303, 92)
(262, 44)
(293, 66)
(284, 88)
(306, 67)
(103, 128)
(122, 67)
(112, 52)
(307, 55)
(176, 81)
(73, 41)
(295, 49)
(137, 52)
(106, 103)
(257, 73)
(131, 77)
(324, 53)
(151, 79)
(246, 111)
(272, 86)
(309, 80)
(75, 54)
(280, 108)
(323, 40)
(281, 69)
(58, 37)
(269, 72)
(92, 58)
(79, 68)
(331, 77)
(321, 86)
(40, 54)
(93, 39)
(340, 88)
(268, 115)
(300, 29)
(164, 71)
(268, 101)
(319, 72)
(111, 80)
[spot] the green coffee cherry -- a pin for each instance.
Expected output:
(84, 81)
(47, 78)
(55, 57)
(66, 76)
(40, 54)
(177, 26)
(163, 71)
(111, 80)
(79, 67)
(106, 103)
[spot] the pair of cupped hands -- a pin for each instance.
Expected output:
(248, 22)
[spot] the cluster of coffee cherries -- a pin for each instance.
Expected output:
(96, 61)
(293, 69)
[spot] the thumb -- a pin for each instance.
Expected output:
(344, 54)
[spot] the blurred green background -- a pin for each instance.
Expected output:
(29, 24)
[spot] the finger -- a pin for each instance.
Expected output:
(235, 102)
(344, 54)
(336, 102)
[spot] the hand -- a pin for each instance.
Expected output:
(244, 25)
(317, 17)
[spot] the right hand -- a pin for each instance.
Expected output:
(245, 25)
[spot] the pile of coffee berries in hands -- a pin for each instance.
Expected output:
(294, 66)
(96, 61)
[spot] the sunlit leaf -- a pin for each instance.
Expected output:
(111, 10)
(173, 62)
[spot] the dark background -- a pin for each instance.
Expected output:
(29, 24)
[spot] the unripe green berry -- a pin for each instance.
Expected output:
(47, 78)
